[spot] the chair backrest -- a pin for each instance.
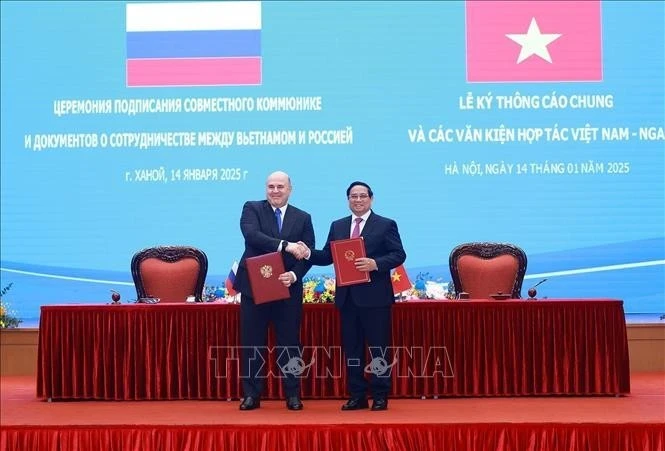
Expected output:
(482, 269)
(171, 273)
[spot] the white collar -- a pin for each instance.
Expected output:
(282, 208)
(364, 217)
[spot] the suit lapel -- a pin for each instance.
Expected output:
(345, 229)
(270, 218)
(368, 225)
(288, 220)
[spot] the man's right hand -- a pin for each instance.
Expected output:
(306, 250)
(299, 250)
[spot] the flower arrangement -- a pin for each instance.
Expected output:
(426, 288)
(318, 290)
(8, 318)
(212, 293)
(321, 290)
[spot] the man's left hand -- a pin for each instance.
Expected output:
(286, 278)
(366, 264)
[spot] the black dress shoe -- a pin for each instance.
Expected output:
(250, 403)
(380, 404)
(293, 403)
(355, 404)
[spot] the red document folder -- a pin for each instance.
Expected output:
(263, 272)
(344, 253)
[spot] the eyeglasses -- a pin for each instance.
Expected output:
(358, 196)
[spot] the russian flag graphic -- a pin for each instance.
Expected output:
(194, 44)
(230, 280)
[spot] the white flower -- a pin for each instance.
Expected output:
(436, 290)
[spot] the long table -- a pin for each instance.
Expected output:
(440, 348)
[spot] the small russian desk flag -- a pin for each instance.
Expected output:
(230, 279)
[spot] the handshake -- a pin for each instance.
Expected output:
(299, 250)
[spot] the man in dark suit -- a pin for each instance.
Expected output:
(366, 308)
(272, 225)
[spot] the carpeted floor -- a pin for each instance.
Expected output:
(646, 404)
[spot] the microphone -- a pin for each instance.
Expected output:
(115, 297)
(532, 291)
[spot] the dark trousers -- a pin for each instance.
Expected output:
(286, 317)
(371, 326)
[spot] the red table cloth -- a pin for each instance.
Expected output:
(441, 348)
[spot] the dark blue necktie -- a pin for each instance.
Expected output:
(278, 216)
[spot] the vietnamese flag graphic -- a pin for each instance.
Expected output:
(400, 280)
(533, 41)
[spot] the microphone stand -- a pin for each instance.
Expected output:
(533, 292)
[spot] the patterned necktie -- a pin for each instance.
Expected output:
(278, 216)
(356, 228)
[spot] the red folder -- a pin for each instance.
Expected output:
(263, 272)
(344, 253)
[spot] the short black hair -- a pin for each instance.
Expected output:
(356, 183)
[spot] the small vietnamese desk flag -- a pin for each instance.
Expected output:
(531, 41)
(400, 280)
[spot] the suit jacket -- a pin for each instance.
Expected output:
(259, 227)
(383, 244)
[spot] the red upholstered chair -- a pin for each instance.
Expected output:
(483, 269)
(171, 273)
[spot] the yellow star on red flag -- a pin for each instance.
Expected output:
(400, 280)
